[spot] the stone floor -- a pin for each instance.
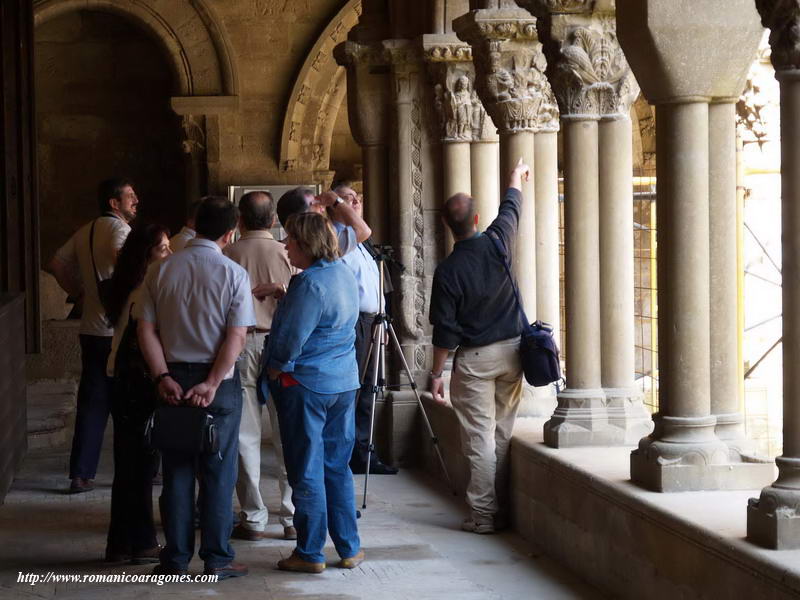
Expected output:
(409, 532)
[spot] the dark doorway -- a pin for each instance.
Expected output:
(103, 87)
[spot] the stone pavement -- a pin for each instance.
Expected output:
(409, 532)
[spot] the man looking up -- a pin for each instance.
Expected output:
(300, 200)
(79, 266)
(187, 232)
(473, 308)
(266, 262)
(194, 312)
(362, 263)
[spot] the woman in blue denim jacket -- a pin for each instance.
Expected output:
(313, 379)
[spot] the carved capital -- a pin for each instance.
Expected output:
(405, 61)
(349, 53)
(509, 66)
(591, 77)
(782, 17)
(194, 134)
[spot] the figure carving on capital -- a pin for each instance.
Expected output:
(592, 77)
(194, 137)
(782, 18)
(455, 108)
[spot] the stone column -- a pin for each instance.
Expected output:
(773, 520)
(548, 269)
(485, 164)
(684, 453)
(368, 101)
(726, 396)
(452, 74)
(510, 81)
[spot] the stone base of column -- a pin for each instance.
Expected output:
(627, 412)
(537, 401)
(581, 419)
(730, 429)
(773, 519)
(683, 454)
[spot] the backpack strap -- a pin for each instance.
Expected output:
(91, 253)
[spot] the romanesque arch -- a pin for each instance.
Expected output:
(198, 50)
(317, 97)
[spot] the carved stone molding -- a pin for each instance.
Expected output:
(509, 66)
(591, 77)
(782, 17)
(194, 134)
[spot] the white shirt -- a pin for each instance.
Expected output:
(180, 239)
(192, 297)
(110, 233)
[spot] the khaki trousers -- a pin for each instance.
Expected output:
(254, 512)
(485, 391)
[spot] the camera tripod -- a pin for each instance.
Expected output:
(382, 331)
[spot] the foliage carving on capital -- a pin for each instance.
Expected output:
(782, 18)
(568, 6)
(592, 77)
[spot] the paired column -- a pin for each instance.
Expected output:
(510, 82)
(485, 164)
(773, 520)
(595, 88)
(452, 75)
(684, 452)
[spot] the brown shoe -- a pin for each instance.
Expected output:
(295, 563)
(228, 571)
(160, 569)
(80, 485)
(289, 533)
(352, 562)
(243, 533)
(146, 557)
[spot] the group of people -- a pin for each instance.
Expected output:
(229, 325)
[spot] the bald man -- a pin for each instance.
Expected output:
(267, 264)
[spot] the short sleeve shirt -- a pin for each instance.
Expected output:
(110, 233)
(193, 297)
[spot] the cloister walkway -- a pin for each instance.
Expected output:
(409, 531)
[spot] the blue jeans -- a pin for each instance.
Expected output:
(94, 406)
(217, 475)
(317, 436)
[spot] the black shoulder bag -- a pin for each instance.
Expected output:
(187, 430)
(537, 346)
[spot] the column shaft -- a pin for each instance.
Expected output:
(548, 306)
(724, 367)
(513, 146)
(485, 167)
(683, 299)
(582, 246)
(375, 191)
(625, 407)
(457, 176)
(772, 519)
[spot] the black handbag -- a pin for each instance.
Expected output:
(538, 350)
(182, 429)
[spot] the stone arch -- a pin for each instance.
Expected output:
(196, 45)
(317, 97)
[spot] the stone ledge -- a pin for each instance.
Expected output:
(579, 506)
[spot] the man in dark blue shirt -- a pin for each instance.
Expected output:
(474, 310)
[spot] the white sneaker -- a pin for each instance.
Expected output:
(477, 526)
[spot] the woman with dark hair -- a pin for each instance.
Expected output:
(311, 365)
(131, 533)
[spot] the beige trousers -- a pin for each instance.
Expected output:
(254, 512)
(485, 391)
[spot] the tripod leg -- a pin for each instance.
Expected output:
(375, 351)
(434, 439)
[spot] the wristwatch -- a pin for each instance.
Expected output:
(436, 375)
(338, 201)
(162, 376)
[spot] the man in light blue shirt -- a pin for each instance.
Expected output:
(362, 263)
(193, 315)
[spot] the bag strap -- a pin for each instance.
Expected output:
(91, 253)
(504, 256)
